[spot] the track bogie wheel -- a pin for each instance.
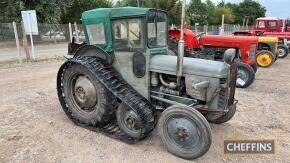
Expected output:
(129, 121)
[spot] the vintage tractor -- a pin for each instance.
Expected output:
(267, 51)
(213, 48)
(269, 27)
(123, 77)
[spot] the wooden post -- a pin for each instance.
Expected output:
(25, 44)
(17, 42)
(77, 32)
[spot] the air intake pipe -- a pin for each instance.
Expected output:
(180, 56)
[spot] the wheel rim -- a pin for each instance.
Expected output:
(130, 120)
(264, 59)
(281, 52)
(183, 132)
(84, 93)
(242, 77)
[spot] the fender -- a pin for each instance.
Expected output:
(93, 51)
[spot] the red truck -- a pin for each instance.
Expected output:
(273, 27)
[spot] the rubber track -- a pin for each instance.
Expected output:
(120, 88)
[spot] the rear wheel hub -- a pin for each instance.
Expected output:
(264, 59)
(183, 131)
(281, 52)
(242, 77)
(85, 93)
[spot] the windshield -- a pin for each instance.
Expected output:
(157, 29)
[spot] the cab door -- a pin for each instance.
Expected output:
(129, 51)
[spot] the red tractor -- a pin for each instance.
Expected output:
(213, 48)
(269, 26)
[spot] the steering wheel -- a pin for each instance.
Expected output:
(259, 33)
(199, 35)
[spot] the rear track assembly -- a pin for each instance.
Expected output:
(120, 88)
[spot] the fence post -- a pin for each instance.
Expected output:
(205, 28)
(222, 29)
(17, 42)
(25, 44)
(70, 31)
(77, 32)
(31, 38)
(195, 27)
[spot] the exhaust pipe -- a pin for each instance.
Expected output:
(180, 56)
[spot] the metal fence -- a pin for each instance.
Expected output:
(53, 38)
(215, 30)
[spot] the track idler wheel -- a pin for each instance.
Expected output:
(265, 58)
(184, 132)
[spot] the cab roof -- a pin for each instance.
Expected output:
(114, 12)
(268, 18)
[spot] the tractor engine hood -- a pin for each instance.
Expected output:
(191, 66)
(227, 41)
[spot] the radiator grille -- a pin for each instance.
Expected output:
(222, 100)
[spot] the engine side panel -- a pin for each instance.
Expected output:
(191, 66)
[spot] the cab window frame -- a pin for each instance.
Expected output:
(155, 27)
(141, 31)
(272, 27)
(259, 25)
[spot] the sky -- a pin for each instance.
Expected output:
(275, 8)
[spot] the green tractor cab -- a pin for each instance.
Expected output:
(123, 75)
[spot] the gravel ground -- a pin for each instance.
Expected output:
(33, 127)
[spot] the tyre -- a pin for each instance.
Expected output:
(129, 121)
(245, 76)
(282, 51)
(255, 67)
(184, 132)
(265, 58)
(88, 101)
(224, 118)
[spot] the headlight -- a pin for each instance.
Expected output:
(229, 55)
(252, 52)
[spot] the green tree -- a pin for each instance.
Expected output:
(73, 9)
(217, 18)
(10, 10)
(198, 12)
(173, 8)
(211, 11)
(46, 11)
(250, 8)
(133, 3)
